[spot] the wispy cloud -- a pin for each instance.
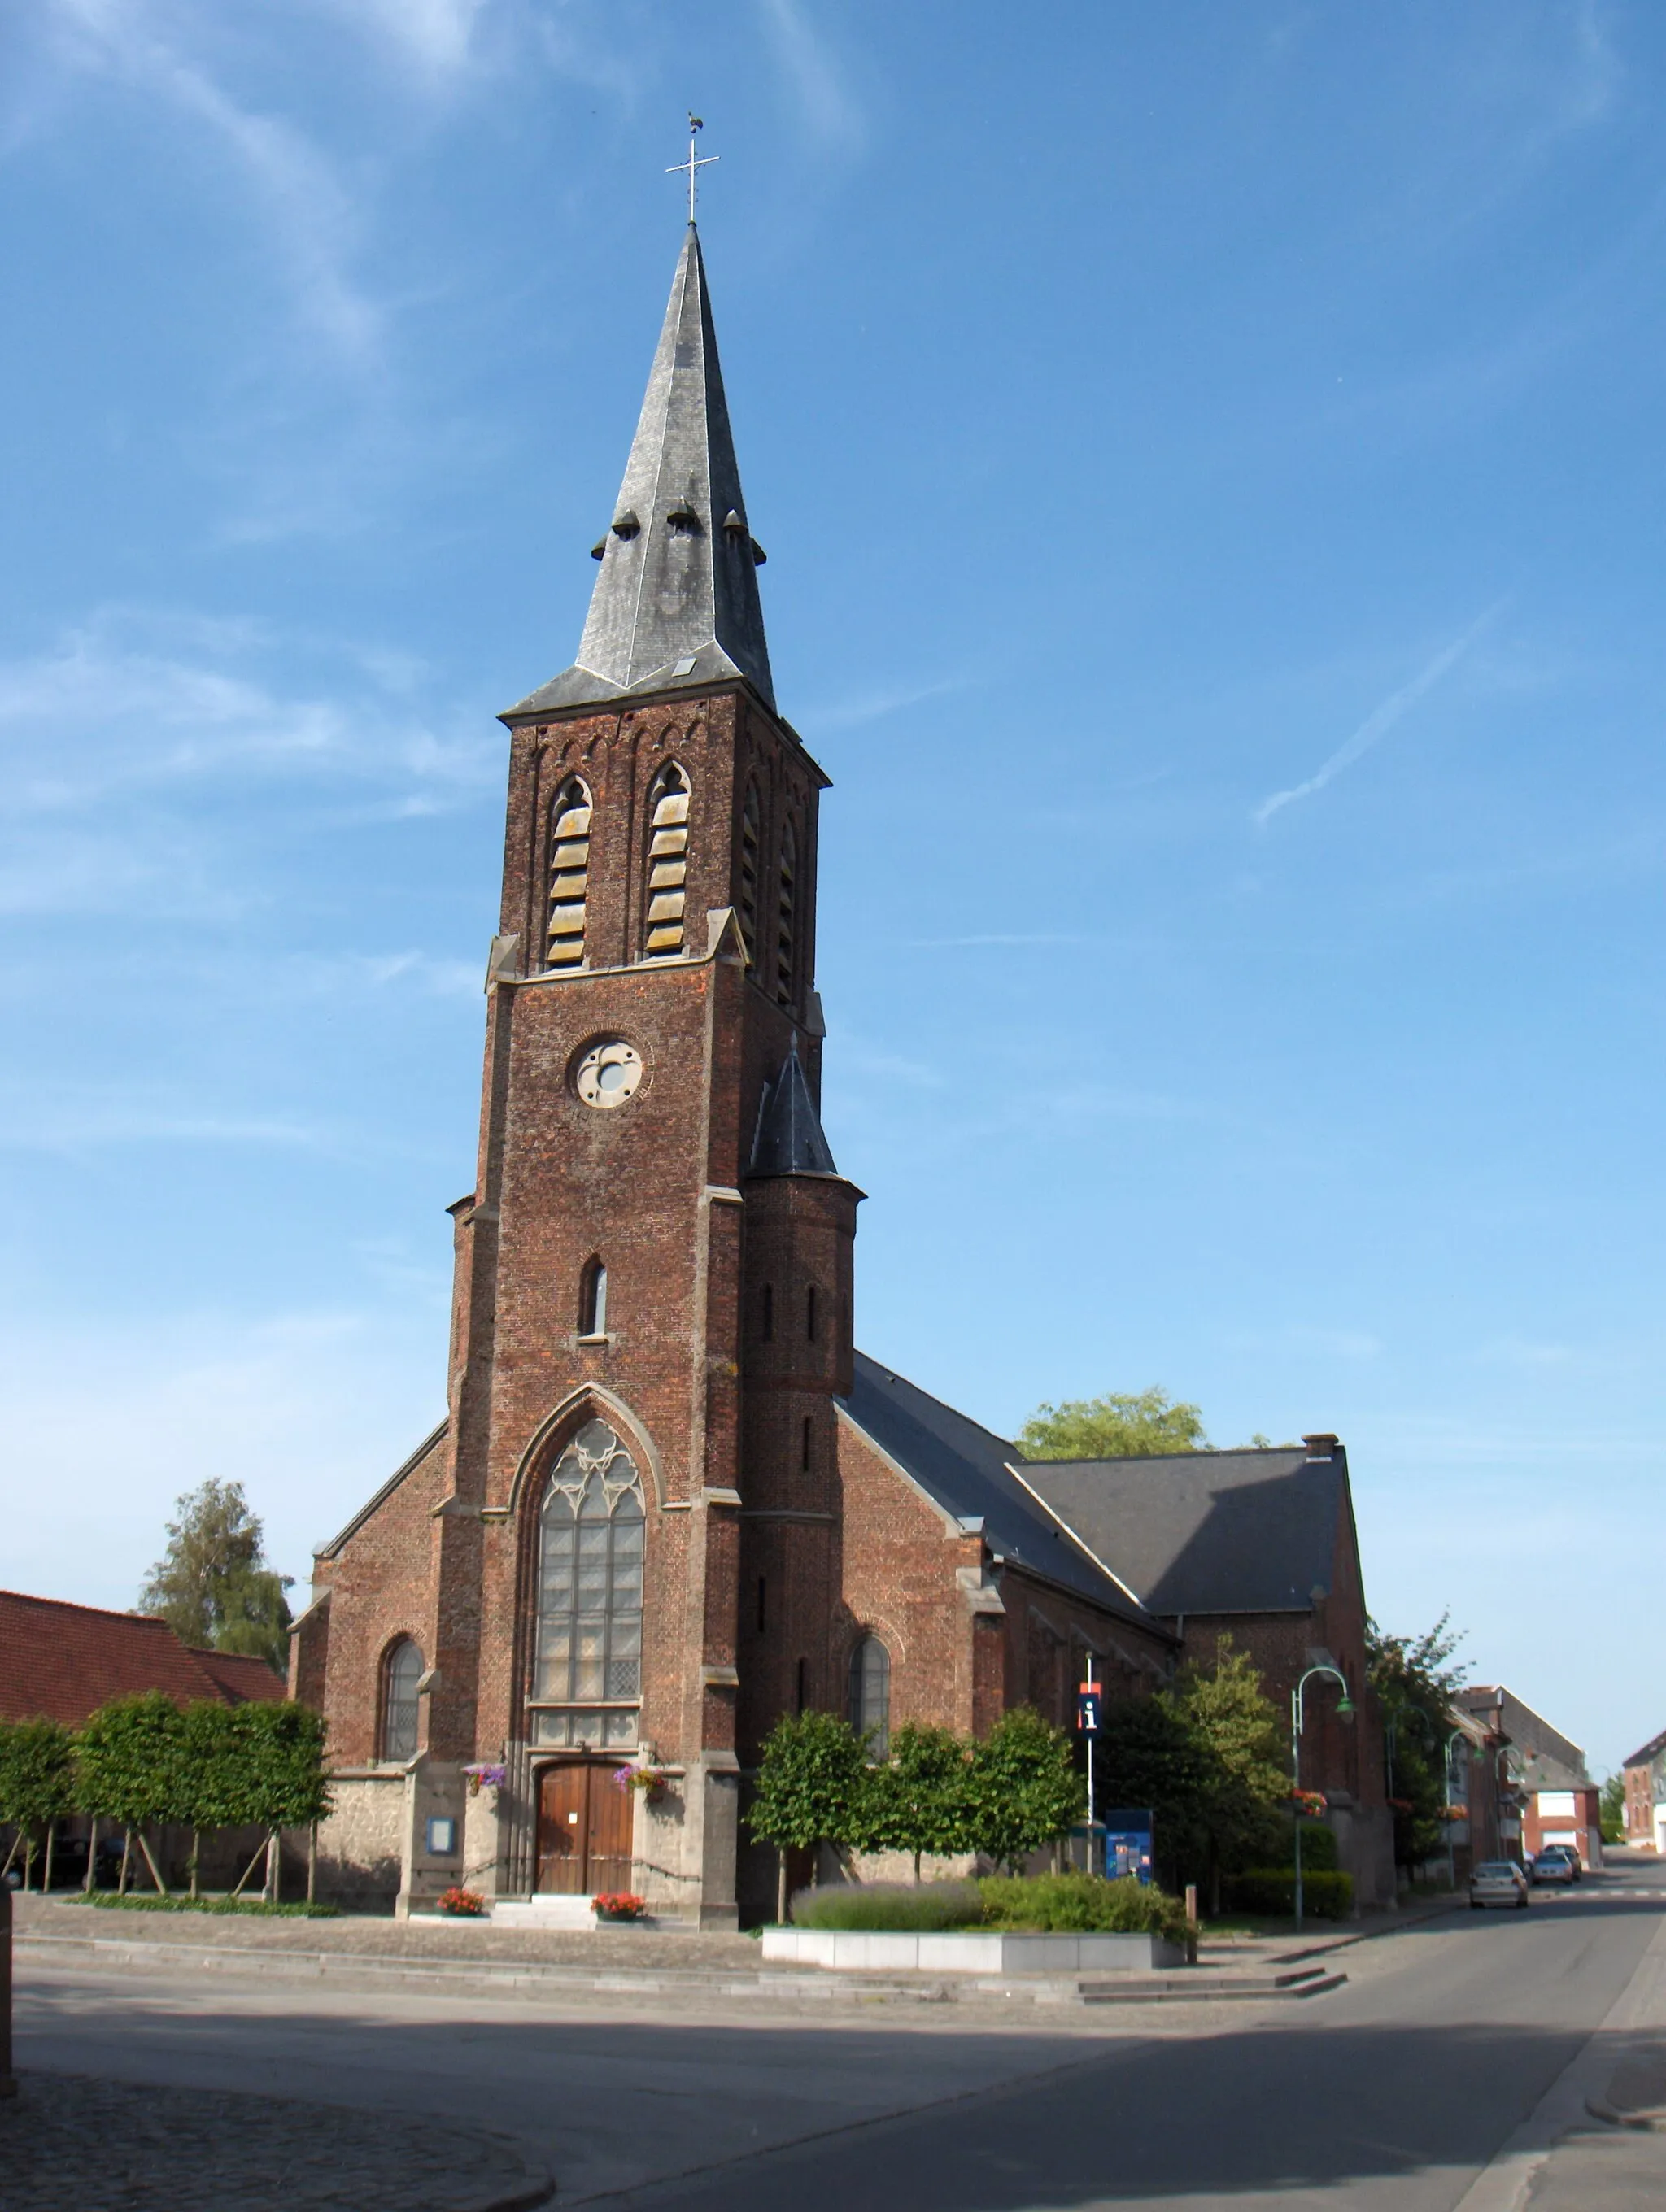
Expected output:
(824, 96)
(1377, 724)
(873, 706)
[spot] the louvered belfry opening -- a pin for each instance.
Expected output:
(569, 876)
(667, 862)
(748, 884)
(787, 916)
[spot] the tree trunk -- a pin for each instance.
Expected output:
(312, 1864)
(28, 1862)
(195, 1853)
(270, 1892)
(161, 1887)
(126, 1861)
(781, 1886)
(89, 1880)
(52, 1837)
(17, 1844)
(916, 1868)
(243, 1878)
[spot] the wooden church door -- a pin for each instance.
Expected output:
(583, 1829)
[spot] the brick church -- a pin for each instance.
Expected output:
(670, 1501)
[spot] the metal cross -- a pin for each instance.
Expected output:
(692, 167)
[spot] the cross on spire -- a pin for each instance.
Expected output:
(691, 167)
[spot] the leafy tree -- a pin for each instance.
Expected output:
(130, 1767)
(1611, 1807)
(917, 1801)
(212, 1585)
(1122, 1426)
(37, 1782)
(274, 1768)
(1023, 1788)
(1237, 1730)
(1416, 1681)
(1149, 1754)
(812, 1787)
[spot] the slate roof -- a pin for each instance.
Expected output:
(964, 1468)
(789, 1139)
(1205, 1532)
(1550, 1759)
(60, 1661)
(676, 606)
(1650, 1753)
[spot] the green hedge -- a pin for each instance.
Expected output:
(1047, 1904)
(108, 1901)
(1272, 1890)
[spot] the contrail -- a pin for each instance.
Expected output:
(1380, 720)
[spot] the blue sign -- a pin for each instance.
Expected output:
(1128, 1842)
(1087, 1710)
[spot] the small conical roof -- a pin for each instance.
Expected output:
(676, 606)
(789, 1139)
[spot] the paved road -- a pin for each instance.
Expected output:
(1390, 2095)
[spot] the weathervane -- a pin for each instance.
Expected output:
(692, 167)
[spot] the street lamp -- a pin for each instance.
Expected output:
(1343, 1712)
(1446, 1777)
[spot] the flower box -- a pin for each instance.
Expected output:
(619, 1906)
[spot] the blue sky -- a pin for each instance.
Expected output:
(1210, 461)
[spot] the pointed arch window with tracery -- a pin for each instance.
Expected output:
(588, 1641)
(667, 862)
(570, 875)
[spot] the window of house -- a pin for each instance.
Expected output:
(747, 886)
(402, 1671)
(804, 1449)
(869, 1694)
(667, 862)
(588, 1638)
(592, 1300)
(569, 876)
(785, 916)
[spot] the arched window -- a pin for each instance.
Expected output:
(786, 923)
(667, 862)
(869, 1694)
(402, 1670)
(588, 1642)
(570, 875)
(593, 1299)
(747, 887)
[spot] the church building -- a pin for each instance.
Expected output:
(670, 1501)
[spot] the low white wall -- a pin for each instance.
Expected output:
(980, 1953)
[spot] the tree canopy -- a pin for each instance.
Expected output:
(1024, 1789)
(1416, 1679)
(1120, 1425)
(212, 1585)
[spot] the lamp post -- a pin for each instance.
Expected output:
(1446, 1779)
(1343, 1712)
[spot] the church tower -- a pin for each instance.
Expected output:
(635, 1561)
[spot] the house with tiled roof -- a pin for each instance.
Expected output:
(60, 1661)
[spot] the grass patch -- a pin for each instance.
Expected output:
(1047, 1904)
(246, 1908)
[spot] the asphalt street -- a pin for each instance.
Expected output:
(1396, 2094)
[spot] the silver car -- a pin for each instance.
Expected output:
(1497, 1882)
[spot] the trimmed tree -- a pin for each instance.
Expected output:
(1023, 1788)
(37, 1785)
(275, 1773)
(919, 1800)
(1236, 1729)
(812, 1787)
(131, 1768)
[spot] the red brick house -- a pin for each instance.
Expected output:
(1546, 1786)
(1645, 1774)
(670, 1501)
(61, 1663)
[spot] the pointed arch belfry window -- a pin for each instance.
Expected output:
(570, 875)
(746, 885)
(667, 862)
(587, 1642)
(787, 916)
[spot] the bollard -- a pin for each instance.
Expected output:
(7, 2081)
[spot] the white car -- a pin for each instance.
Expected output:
(1497, 1882)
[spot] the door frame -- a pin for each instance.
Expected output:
(567, 1762)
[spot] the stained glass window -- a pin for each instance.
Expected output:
(589, 1640)
(402, 1672)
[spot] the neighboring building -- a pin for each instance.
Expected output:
(1259, 1545)
(1546, 1795)
(670, 1501)
(61, 1663)
(1645, 1774)
(1478, 1783)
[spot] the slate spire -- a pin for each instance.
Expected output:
(789, 1138)
(676, 606)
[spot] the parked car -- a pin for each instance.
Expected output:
(1557, 1862)
(1497, 1882)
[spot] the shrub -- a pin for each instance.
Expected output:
(1079, 1904)
(1318, 1848)
(109, 1900)
(911, 1908)
(1272, 1890)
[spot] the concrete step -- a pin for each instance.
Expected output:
(1200, 1983)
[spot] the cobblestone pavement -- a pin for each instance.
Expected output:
(72, 2144)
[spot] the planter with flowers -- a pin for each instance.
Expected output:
(619, 1906)
(488, 1778)
(463, 1904)
(1310, 1804)
(649, 1781)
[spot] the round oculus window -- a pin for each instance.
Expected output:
(608, 1073)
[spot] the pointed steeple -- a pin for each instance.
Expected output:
(789, 1139)
(676, 606)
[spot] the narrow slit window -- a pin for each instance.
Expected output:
(592, 1300)
(804, 1448)
(769, 1313)
(763, 1614)
(786, 917)
(667, 863)
(746, 889)
(810, 1313)
(569, 876)
(870, 1694)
